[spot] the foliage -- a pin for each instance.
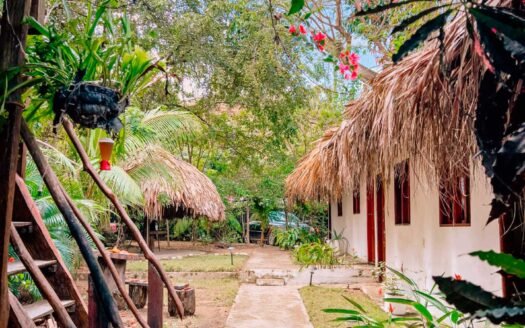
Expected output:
(430, 309)
(317, 298)
(316, 254)
(479, 303)
(289, 238)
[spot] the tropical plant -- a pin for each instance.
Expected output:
(427, 307)
(316, 254)
(478, 303)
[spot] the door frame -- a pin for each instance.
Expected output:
(370, 223)
(380, 214)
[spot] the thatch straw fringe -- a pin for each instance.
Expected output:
(177, 184)
(417, 109)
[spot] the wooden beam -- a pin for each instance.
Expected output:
(12, 40)
(18, 317)
(148, 254)
(55, 189)
(155, 298)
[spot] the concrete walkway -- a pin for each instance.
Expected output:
(268, 307)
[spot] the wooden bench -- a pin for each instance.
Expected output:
(138, 291)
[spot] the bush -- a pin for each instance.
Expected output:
(316, 254)
(288, 239)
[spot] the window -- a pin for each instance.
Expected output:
(356, 201)
(402, 193)
(454, 202)
(339, 208)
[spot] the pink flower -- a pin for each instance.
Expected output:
(354, 75)
(292, 30)
(343, 68)
(319, 37)
(353, 58)
(302, 29)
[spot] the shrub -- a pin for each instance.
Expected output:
(288, 239)
(316, 254)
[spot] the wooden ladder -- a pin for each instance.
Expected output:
(41, 259)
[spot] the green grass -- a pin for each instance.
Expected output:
(200, 263)
(317, 298)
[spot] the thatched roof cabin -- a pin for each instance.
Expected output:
(422, 108)
(182, 190)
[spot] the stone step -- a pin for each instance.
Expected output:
(270, 282)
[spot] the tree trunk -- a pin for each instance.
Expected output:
(138, 293)
(187, 297)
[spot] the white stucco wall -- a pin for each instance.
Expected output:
(354, 225)
(424, 248)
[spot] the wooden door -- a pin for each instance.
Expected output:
(381, 231)
(370, 223)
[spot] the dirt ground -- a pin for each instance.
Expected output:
(214, 294)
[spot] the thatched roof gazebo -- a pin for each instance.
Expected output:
(422, 108)
(180, 190)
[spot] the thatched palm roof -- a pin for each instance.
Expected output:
(176, 185)
(418, 109)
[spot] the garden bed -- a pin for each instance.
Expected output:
(316, 298)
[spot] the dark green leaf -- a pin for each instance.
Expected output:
(467, 297)
(432, 300)
(403, 277)
(296, 6)
(510, 315)
(421, 35)
(32, 22)
(506, 262)
(307, 15)
(345, 311)
(388, 6)
(423, 311)
(412, 19)
(398, 300)
(354, 303)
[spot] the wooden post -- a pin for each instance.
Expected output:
(55, 189)
(97, 317)
(168, 231)
(155, 298)
(247, 224)
(12, 40)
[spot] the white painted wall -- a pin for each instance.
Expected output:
(354, 225)
(424, 248)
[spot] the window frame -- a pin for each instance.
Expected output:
(356, 201)
(339, 208)
(463, 203)
(402, 215)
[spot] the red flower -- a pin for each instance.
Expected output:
(319, 37)
(292, 30)
(354, 75)
(343, 68)
(342, 55)
(11, 259)
(320, 47)
(380, 291)
(302, 29)
(353, 58)
(390, 308)
(457, 277)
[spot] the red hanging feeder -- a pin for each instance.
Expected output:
(106, 148)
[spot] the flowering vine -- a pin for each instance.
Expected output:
(348, 62)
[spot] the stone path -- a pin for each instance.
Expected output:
(268, 307)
